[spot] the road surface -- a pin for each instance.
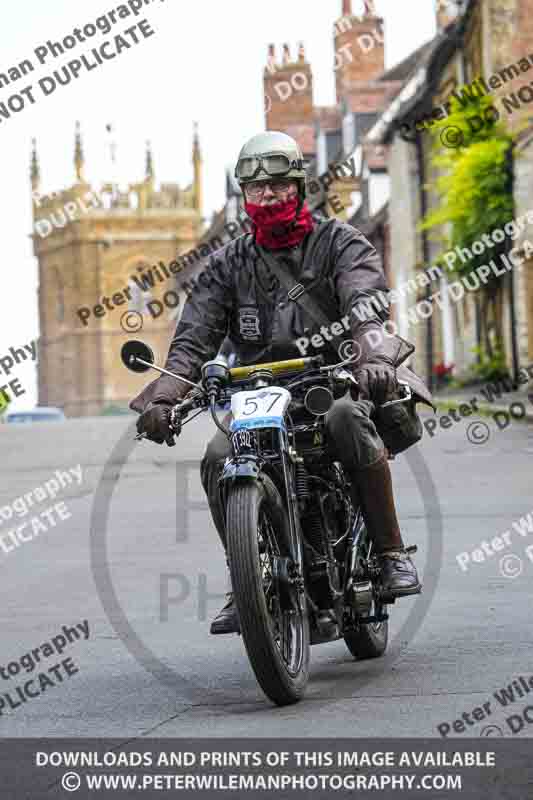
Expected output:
(149, 667)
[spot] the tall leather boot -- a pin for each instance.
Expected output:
(373, 486)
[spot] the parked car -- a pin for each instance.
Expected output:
(39, 414)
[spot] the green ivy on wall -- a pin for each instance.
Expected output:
(474, 194)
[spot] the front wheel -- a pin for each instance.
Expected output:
(276, 640)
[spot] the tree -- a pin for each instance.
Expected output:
(471, 150)
(4, 402)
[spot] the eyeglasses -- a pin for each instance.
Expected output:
(273, 165)
(257, 188)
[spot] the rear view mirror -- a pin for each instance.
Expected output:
(134, 350)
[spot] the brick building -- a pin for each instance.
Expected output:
(476, 38)
(335, 134)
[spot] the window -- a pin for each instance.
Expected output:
(232, 209)
(322, 153)
(60, 296)
(334, 146)
(140, 287)
(348, 132)
(139, 299)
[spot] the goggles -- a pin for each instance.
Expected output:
(274, 166)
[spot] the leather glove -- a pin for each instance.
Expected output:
(377, 382)
(155, 422)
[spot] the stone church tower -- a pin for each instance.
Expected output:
(90, 246)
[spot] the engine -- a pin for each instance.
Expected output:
(326, 520)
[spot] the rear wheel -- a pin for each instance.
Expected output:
(276, 639)
(368, 640)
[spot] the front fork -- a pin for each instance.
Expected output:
(293, 510)
(248, 466)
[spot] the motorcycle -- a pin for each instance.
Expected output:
(301, 562)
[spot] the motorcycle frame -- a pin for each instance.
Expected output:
(249, 466)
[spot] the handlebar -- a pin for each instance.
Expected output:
(200, 399)
(276, 367)
(237, 374)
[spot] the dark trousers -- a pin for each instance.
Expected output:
(351, 435)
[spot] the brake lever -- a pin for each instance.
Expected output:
(405, 399)
(341, 374)
(175, 424)
(175, 429)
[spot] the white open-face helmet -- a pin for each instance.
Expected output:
(272, 154)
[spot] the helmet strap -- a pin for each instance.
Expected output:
(301, 197)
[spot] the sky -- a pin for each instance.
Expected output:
(204, 63)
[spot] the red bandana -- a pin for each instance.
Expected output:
(277, 226)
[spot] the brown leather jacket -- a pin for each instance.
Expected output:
(237, 296)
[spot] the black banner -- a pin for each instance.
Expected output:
(38, 769)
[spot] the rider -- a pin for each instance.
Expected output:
(239, 296)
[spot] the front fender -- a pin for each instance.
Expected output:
(247, 466)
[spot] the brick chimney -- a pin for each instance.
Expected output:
(288, 90)
(359, 46)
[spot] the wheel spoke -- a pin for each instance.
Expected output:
(286, 627)
(257, 527)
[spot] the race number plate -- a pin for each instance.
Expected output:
(260, 408)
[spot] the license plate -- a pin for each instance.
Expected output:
(260, 408)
